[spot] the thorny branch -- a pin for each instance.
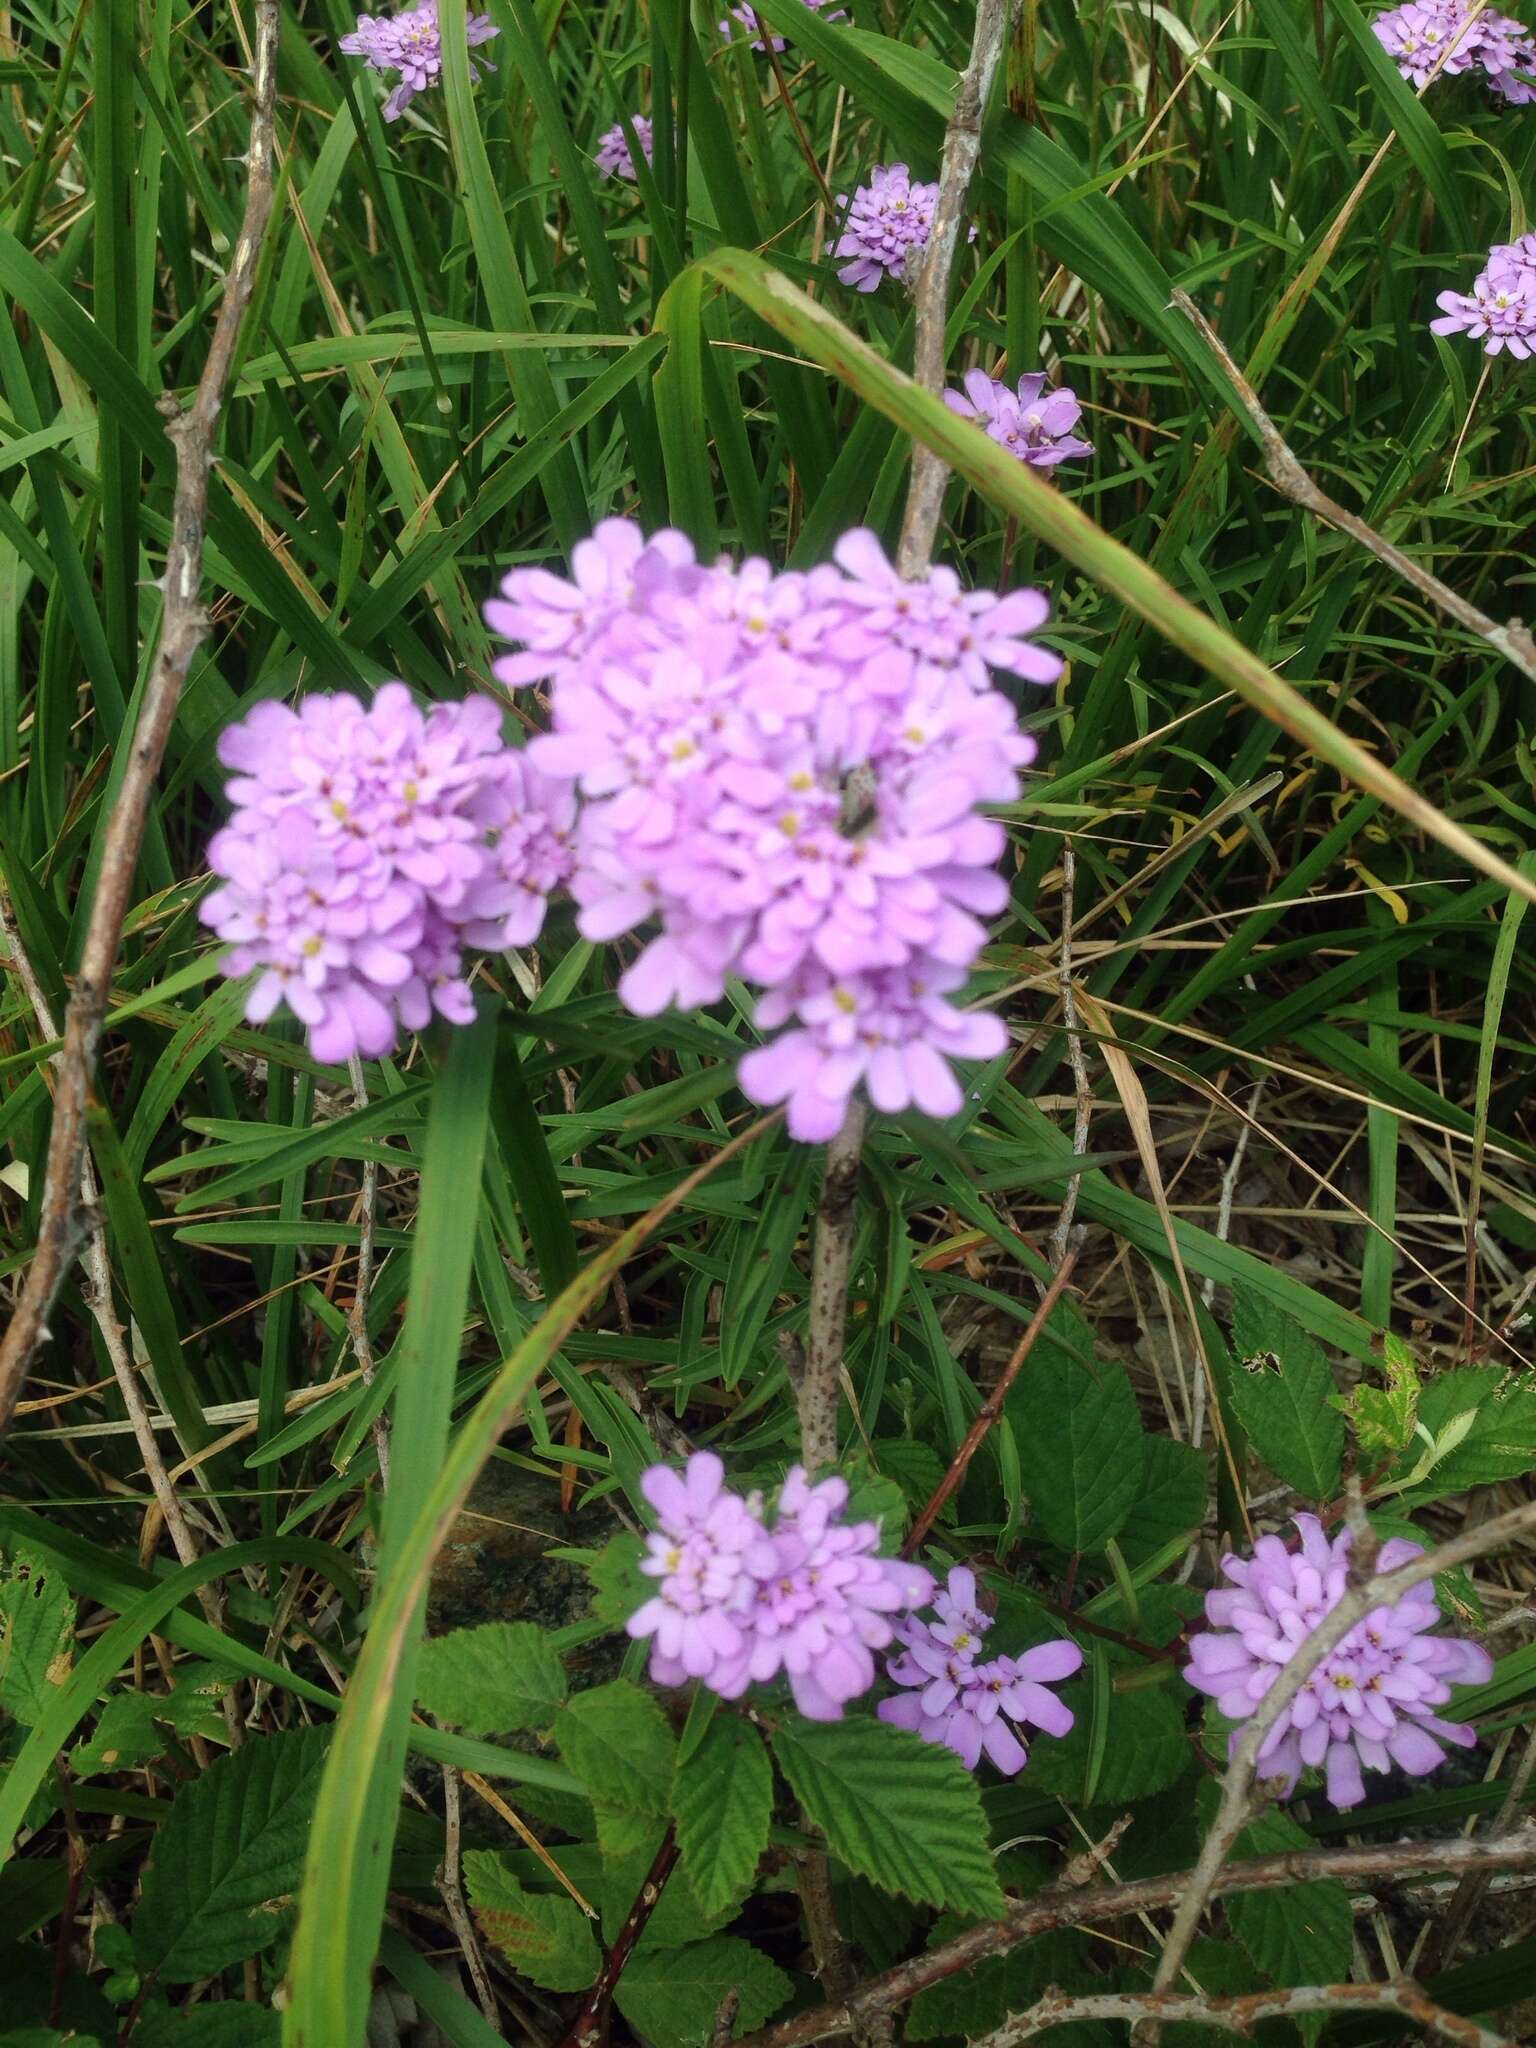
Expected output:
(1066, 1906)
(962, 145)
(1370, 1589)
(1240, 2015)
(183, 626)
(591, 2022)
(1513, 640)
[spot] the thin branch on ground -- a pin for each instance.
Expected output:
(1513, 640)
(97, 1269)
(591, 2022)
(450, 1889)
(1082, 1090)
(183, 626)
(1371, 1589)
(990, 1409)
(1062, 1906)
(962, 145)
(1240, 2015)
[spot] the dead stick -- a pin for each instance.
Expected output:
(1064, 1907)
(183, 626)
(1239, 2015)
(962, 145)
(1513, 640)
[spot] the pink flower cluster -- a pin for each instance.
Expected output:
(412, 44)
(1500, 309)
(785, 771)
(369, 847)
(1030, 422)
(1417, 35)
(613, 156)
(738, 1602)
(885, 225)
(1370, 1702)
(965, 1703)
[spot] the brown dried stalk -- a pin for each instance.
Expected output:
(1513, 640)
(990, 1409)
(183, 626)
(831, 1258)
(1063, 1906)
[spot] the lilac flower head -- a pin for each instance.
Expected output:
(411, 43)
(704, 1554)
(369, 845)
(746, 15)
(613, 157)
(781, 778)
(1418, 35)
(1370, 1702)
(975, 1707)
(1030, 422)
(885, 224)
(1500, 309)
(740, 1604)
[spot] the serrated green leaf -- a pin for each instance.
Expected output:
(544, 1934)
(1297, 1933)
(1144, 1749)
(1481, 1434)
(616, 1740)
(1080, 1443)
(900, 1811)
(490, 1680)
(37, 1612)
(981, 1998)
(618, 1584)
(1282, 1391)
(1175, 1490)
(225, 1866)
(723, 1799)
(233, 2024)
(673, 1999)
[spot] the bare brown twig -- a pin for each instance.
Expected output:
(1447, 1931)
(591, 2022)
(1375, 1589)
(1513, 640)
(1239, 2015)
(1062, 1906)
(962, 144)
(990, 1409)
(183, 626)
(450, 1888)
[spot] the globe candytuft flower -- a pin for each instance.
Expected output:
(368, 847)
(613, 156)
(783, 773)
(1371, 1702)
(746, 17)
(739, 1603)
(1418, 36)
(885, 224)
(975, 1705)
(1030, 422)
(411, 43)
(1500, 309)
